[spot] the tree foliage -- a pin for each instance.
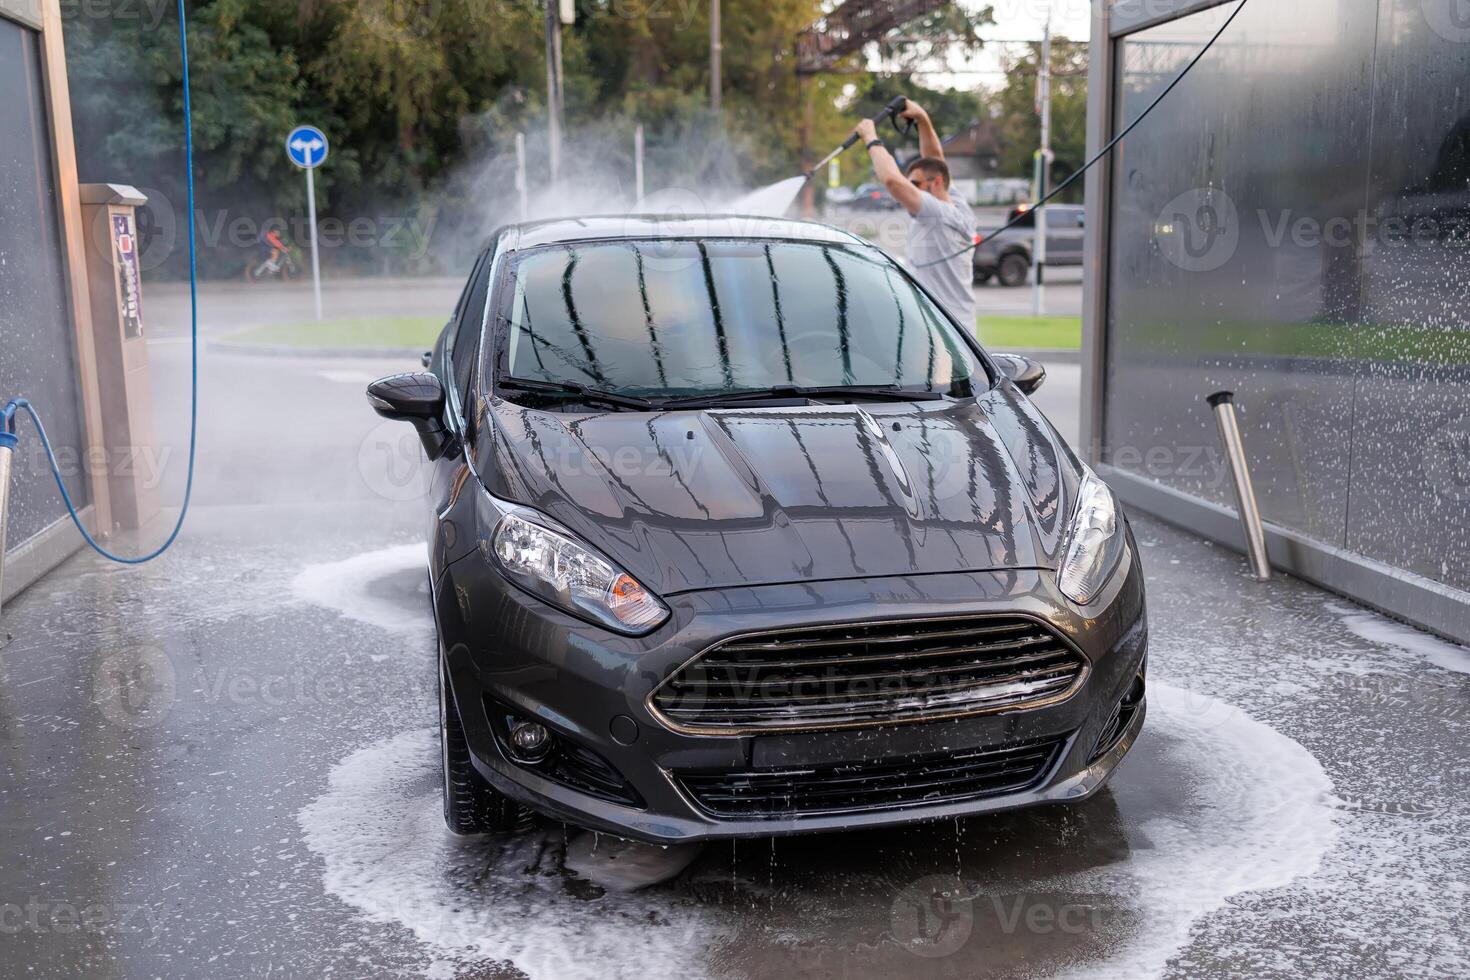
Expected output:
(1020, 126)
(414, 94)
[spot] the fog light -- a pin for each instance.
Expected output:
(529, 740)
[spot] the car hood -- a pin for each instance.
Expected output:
(688, 500)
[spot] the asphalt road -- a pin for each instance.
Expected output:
(230, 306)
(223, 763)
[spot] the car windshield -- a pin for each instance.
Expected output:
(689, 318)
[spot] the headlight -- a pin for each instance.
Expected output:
(566, 574)
(1094, 543)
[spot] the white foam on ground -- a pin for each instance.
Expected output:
(380, 832)
(1385, 632)
(345, 586)
(1258, 816)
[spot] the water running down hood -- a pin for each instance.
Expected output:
(692, 500)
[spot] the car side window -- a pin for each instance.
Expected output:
(467, 332)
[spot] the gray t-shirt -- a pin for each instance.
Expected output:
(942, 228)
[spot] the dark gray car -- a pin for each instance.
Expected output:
(734, 532)
(1006, 256)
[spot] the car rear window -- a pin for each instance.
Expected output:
(694, 317)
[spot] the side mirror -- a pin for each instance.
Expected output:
(418, 399)
(1025, 373)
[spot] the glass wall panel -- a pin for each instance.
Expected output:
(36, 357)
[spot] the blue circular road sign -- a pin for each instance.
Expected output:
(307, 147)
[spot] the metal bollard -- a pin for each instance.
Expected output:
(7, 451)
(1223, 402)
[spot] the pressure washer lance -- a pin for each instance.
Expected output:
(892, 112)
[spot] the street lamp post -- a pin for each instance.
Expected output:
(716, 56)
(1043, 170)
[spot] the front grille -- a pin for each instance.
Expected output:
(810, 791)
(868, 673)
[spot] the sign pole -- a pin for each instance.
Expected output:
(638, 165)
(316, 266)
(306, 146)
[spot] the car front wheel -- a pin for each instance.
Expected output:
(1014, 269)
(471, 805)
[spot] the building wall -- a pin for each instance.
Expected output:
(37, 356)
(1293, 224)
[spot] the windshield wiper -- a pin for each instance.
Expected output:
(570, 389)
(873, 392)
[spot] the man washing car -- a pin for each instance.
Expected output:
(941, 225)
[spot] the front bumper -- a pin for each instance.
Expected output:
(506, 650)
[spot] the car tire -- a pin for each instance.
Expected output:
(471, 805)
(1015, 269)
(982, 277)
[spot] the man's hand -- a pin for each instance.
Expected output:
(912, 110)
(929, 144)
(867, 132)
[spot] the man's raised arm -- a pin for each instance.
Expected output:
(929, 144)
(885, 168)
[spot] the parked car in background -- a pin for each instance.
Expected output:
(841, 195)
(872, 197)
(1006, 255)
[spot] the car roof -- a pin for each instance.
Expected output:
(557, 231)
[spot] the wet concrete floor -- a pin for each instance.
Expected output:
(223, 764)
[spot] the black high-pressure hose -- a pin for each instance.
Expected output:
(1100, 153)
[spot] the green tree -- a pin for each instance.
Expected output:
(1020, 126)
(414, 94)
(128, 109)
